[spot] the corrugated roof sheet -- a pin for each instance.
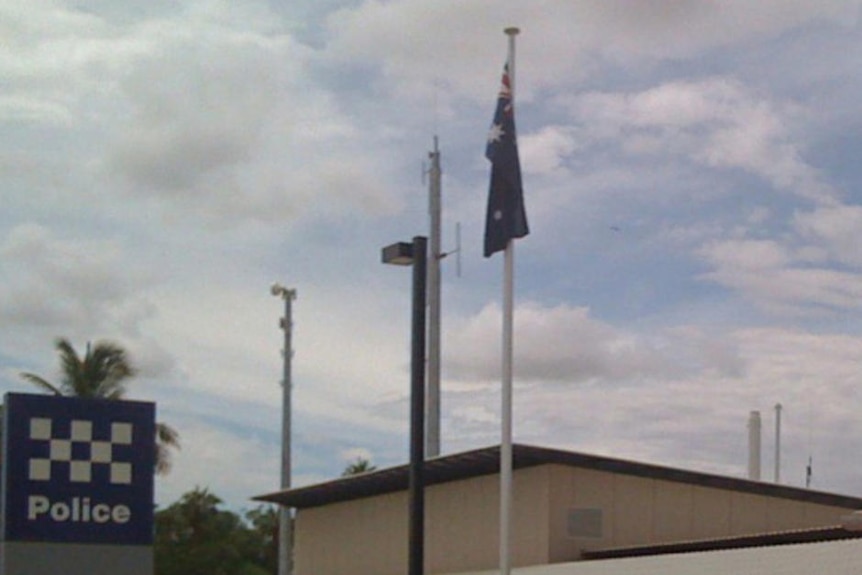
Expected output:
(826, 558)
(790, 537)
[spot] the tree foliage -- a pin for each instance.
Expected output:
(102, 372)
(357, 466)
(195, 537)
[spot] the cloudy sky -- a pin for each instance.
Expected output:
(692, 185)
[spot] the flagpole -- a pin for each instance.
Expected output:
(508, 351)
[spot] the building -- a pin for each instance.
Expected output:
(827, 557)
(567, 507)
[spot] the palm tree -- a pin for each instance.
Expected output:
(102, 373)
(357, 466)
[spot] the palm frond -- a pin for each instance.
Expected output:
(41, 383)
(167, 435)
(167, 439)
(102, 373)
(73, 380)
(107, 368)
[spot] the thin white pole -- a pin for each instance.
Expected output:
(432, 439)
(508, 351)
(506, 409)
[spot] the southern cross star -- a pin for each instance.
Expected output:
(496, 133)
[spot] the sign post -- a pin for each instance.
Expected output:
(77, 486)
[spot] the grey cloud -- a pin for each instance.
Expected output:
(454, 39)
(197, 110)
(564, 344)
(68, 285)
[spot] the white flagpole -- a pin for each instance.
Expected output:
(508, 349)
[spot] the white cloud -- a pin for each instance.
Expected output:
(233, 465)
(211, 110)
(163, 164)
(750, 255)
(836, 228)
(765, 272)
(714, 122)
(545, 151)
(59, 62)
(451, 41)
(699, 422)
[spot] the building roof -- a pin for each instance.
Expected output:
(791, 537)
(486, 461)
(829, 557)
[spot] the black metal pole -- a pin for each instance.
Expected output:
(416, 537)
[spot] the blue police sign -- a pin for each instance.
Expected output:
(78, 470)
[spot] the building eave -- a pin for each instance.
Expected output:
(486, 461)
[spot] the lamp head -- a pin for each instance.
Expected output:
(399, 254)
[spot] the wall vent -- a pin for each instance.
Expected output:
(585, 522)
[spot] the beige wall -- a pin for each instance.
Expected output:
(369, 536)
(462, 522)
(639, 511)
(363, 536)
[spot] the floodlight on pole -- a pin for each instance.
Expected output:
(415, 254)
(285, 526)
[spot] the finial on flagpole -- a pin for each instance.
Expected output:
(512, 31)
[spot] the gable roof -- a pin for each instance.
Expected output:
(486, 461)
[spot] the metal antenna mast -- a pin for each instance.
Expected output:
(285, 526)
(432, 437)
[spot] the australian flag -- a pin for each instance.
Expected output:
(506, 218)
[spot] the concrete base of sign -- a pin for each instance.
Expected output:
(74, 559)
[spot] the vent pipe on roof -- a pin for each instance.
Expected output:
(777, 442)
(754, 446)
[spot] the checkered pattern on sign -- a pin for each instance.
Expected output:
(63, 449)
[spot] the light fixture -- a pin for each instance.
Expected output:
(415, 254)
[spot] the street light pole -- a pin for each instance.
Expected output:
(417, 409)
(415, 254)
(285, 525)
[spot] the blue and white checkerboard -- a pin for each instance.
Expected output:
(62, 450)
(69, 463)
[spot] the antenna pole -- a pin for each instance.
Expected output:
(432, 439)
(285, 522)
(458, 249)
